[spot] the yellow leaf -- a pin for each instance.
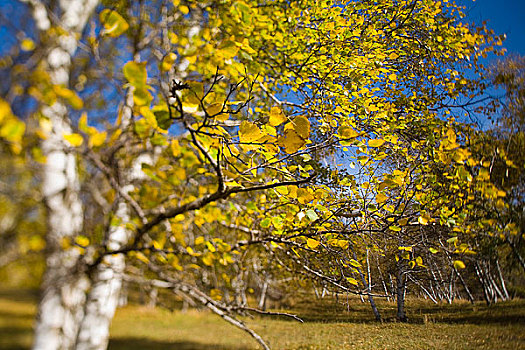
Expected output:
(380, 198)
(302, 126)
(74, 140)
(168, 61)
(114, 24)
(82, 123)
(142, 257)
(27, 44)
(393, 56)
(69, 96)
(82, 241)
(13, 130)
(354, 263)
(291, 141)
(343, 244)
(277, 116)
(184, 9)
(215, 109)
(207, 259)
(97, 139)
(423, 219)
(312, 243)
(149, 116)
(216, 294)
(352, 281)
(249, 132)
(458, 264)
(142, 97)
(346, 132)
(376, 142)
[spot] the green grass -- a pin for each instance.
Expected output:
(328, 325)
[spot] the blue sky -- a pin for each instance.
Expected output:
(503, 16)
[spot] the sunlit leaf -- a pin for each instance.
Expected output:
(376, 142)
(380, 198)
(277, 116)
(74, 140)
(312, 243)
(458, 264)
(352, 280)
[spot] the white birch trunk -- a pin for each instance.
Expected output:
(103, 297)
(63, 286)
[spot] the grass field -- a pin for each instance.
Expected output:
(327, 326)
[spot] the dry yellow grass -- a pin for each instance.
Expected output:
(328, 326)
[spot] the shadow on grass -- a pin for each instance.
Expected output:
(329, 311)
(148, 344)
(11, 337)
(20, 295)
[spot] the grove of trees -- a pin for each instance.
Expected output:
(219, 149)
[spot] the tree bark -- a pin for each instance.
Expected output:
(64, 283)
(103, 298)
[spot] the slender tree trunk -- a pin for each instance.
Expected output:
(64, 283)
(516, 252)
(484, 287)
(503, 286)
(103, 298)
(400, 291)
(367, 287)
(465, 286)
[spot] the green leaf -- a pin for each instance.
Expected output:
(312, 215)
(163, 119)
(452, 240)
(433, 250)
(266, 223)
(136, 74)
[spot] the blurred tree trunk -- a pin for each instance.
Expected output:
(64, 285)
